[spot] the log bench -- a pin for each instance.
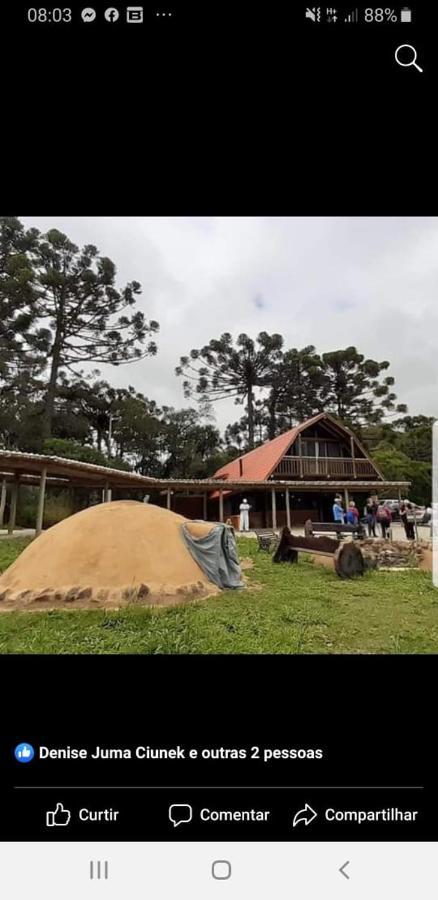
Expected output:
(312, 529)
(348, 560)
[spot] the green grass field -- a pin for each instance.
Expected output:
(285, 609)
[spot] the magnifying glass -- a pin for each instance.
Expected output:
(407, 51)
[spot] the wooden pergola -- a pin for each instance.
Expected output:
(34, 469)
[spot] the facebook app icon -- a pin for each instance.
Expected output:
(24, 753)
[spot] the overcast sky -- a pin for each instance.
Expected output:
(331, 282)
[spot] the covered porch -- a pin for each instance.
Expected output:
(274, 503)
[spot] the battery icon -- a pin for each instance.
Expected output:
(406, 14)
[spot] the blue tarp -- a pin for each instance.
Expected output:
(216, 554)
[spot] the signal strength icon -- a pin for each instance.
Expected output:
(352, 16)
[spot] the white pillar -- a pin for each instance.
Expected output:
(169, 499)
(287, 508)
(274, 509)
(221, 506)
(204, 501)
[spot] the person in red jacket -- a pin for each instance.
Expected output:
(384, 518)
(353, 513)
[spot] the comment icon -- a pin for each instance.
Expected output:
(180, 814)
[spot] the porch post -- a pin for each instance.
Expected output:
(346, 498)
(221, 506)
(300, 453)
(353, 458)
(13, 510)
(204, 500)
(41, 498)
(168, 499)
(399, 495)
(274, 509)
(2, 502)
(287, 508)
(106, 492)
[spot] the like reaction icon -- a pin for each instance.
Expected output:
(24, 753)
(58, 816)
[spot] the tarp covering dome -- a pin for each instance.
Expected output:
(108, 555)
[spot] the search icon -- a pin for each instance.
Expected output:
(401, 55)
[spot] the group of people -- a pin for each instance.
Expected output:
(375, 513)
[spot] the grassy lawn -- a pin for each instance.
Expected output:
(285, 609)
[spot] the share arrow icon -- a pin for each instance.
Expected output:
(306, 815)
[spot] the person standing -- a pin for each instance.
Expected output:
(370, 515)
(410, 522)
(338, 512)
(244, 509)
(384, 518)
(429, 519)
(403, 513)
(352, 513)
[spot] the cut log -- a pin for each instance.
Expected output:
(349, 561)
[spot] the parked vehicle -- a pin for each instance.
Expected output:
(393, 506)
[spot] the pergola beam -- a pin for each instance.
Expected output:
(288, 520)
(41, 498)
(3, 501)
(13, 509)
(274, 508)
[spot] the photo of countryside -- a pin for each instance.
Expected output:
(218, 437)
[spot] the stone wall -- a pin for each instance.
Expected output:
(395, 554)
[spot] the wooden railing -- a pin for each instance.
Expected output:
(324, 467)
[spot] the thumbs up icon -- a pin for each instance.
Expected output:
(58, 816)
(24, 753)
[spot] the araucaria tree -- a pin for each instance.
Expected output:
(86, 314)
(355, 390)
(295, 392)
(23, 346)
(221, 369)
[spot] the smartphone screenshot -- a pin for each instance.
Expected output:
(218, 446)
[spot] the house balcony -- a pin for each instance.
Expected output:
(324, 467)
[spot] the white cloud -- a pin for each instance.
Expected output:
(331, 282)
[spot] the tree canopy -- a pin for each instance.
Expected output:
(223, 369)
(64, 314)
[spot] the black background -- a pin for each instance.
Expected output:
(222, 110)
(372, 716)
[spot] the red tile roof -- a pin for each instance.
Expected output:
(258, 464)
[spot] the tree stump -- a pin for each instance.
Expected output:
(286, 555)
(285, 552)
(349, 561)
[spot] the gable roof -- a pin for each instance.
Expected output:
(259, 464)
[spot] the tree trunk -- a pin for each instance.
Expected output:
(250, 411)
(51, 389)
(272, 409)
